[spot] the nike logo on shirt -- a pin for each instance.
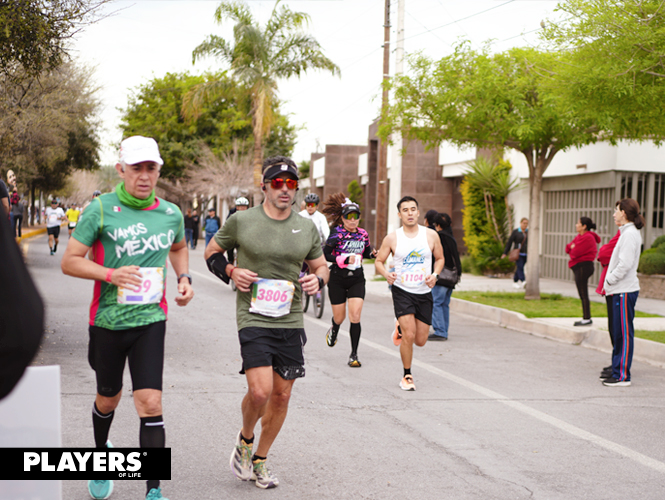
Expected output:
(296, 230)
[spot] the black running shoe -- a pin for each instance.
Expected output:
(331, 337)
(353, 361)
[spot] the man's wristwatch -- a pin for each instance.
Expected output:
(321, 282)
(436, 276)
(186, 276)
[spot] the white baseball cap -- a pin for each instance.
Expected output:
(137, 149)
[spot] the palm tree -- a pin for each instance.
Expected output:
(259, 57)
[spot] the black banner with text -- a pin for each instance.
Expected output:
(85, 463)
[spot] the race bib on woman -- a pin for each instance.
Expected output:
(150, 291)
(272, 297)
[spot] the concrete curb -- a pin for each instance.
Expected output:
(35, 232)
(645, 350)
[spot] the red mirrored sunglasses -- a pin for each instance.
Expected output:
(279, 183)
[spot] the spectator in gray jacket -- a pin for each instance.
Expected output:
(622, 284)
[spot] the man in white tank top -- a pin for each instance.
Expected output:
(413, 247)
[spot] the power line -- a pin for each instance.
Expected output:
(458, 20)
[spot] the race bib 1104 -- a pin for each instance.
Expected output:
(413, 278)
(150, 291)
(272, 297)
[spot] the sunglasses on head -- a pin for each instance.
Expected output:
(279, 183)
(352, 216)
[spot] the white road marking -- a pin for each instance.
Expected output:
(539, 415)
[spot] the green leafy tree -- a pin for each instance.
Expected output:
(156, 110)
(55, 132)
(492, 101)
(259, 57)
(616, 71)
(486, 214)
(34, 33)
(356, 193)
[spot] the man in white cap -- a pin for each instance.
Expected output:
(131, 233)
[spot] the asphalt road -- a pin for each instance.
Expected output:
(497, 415)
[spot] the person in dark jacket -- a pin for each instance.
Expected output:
(518, 240)
(582, 251)
(443, 289)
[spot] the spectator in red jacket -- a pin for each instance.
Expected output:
(583, 250)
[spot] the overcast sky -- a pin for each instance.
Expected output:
(145, 39)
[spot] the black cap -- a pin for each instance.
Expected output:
(281, 168)
(351, 207)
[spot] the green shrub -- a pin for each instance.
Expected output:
(652, 261)
(659, 242)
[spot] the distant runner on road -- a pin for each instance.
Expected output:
(132, 233)
(271, 241)
(413, 247)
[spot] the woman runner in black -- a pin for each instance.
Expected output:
(347, 245)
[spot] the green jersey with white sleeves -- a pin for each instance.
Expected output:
(122, 236)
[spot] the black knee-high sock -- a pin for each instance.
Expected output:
(101, 424)
(152, 435)
(354, 331)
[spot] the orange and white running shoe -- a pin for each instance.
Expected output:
(397, 334)
(406, 384)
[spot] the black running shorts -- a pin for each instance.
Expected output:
(420, 305)
(143, 347)
(343, 286)
(281, 348)
(55, 231)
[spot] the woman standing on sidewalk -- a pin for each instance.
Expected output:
(582, 251)
(604, 256)
(518, 241)
(346, 246)
(622, 284)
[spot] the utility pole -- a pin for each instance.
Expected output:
(395, 193)
(382, 174)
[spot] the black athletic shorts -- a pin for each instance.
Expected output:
(281, 348)
(55, 231)
(345, 285)
(143, 347)
(418, 304)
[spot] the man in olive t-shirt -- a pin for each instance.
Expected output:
(272, 242)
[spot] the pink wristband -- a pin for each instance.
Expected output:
(108, 275)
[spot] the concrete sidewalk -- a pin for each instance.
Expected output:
(560, 329)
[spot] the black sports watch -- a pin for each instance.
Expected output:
(321, 282)
(186, 276)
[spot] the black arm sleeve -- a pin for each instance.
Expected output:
(217, 265)
(327, 252)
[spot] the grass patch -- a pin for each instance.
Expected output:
(550, 305)
(651, 335)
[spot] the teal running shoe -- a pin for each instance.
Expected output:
(155, 494)
(100, 489)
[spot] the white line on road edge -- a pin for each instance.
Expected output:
(539, 415)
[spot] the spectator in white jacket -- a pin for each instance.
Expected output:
(310, 212)
(622, 284)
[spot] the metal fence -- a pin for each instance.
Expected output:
(561, 211)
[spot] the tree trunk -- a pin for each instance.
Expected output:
(538, 163)
(258, 160)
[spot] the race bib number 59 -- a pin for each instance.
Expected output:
(272, 297)
(150, 291)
